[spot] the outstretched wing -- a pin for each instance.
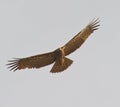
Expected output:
(80, 38)
(31, 62)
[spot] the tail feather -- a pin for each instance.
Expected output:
(58, 67)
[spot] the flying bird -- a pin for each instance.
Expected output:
(58, 56)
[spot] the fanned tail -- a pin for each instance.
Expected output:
(58, 67)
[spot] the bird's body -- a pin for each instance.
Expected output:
(58, 56)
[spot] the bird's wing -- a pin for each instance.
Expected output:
(31, 62)
(80, 38)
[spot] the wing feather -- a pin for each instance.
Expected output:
(36, 61)
(80, 38)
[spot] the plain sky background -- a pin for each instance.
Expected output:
(31, 27)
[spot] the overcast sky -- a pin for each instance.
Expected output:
(31, 27)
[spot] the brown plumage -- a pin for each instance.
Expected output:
(57, 56)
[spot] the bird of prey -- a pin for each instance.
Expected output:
(58, 56)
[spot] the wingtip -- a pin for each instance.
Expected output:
(12, 64)
(95, 23)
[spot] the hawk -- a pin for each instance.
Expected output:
(58, 56)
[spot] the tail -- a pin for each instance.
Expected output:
(58, 67)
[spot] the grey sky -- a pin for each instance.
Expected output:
(30, 27)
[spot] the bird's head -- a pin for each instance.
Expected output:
(59, 52)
